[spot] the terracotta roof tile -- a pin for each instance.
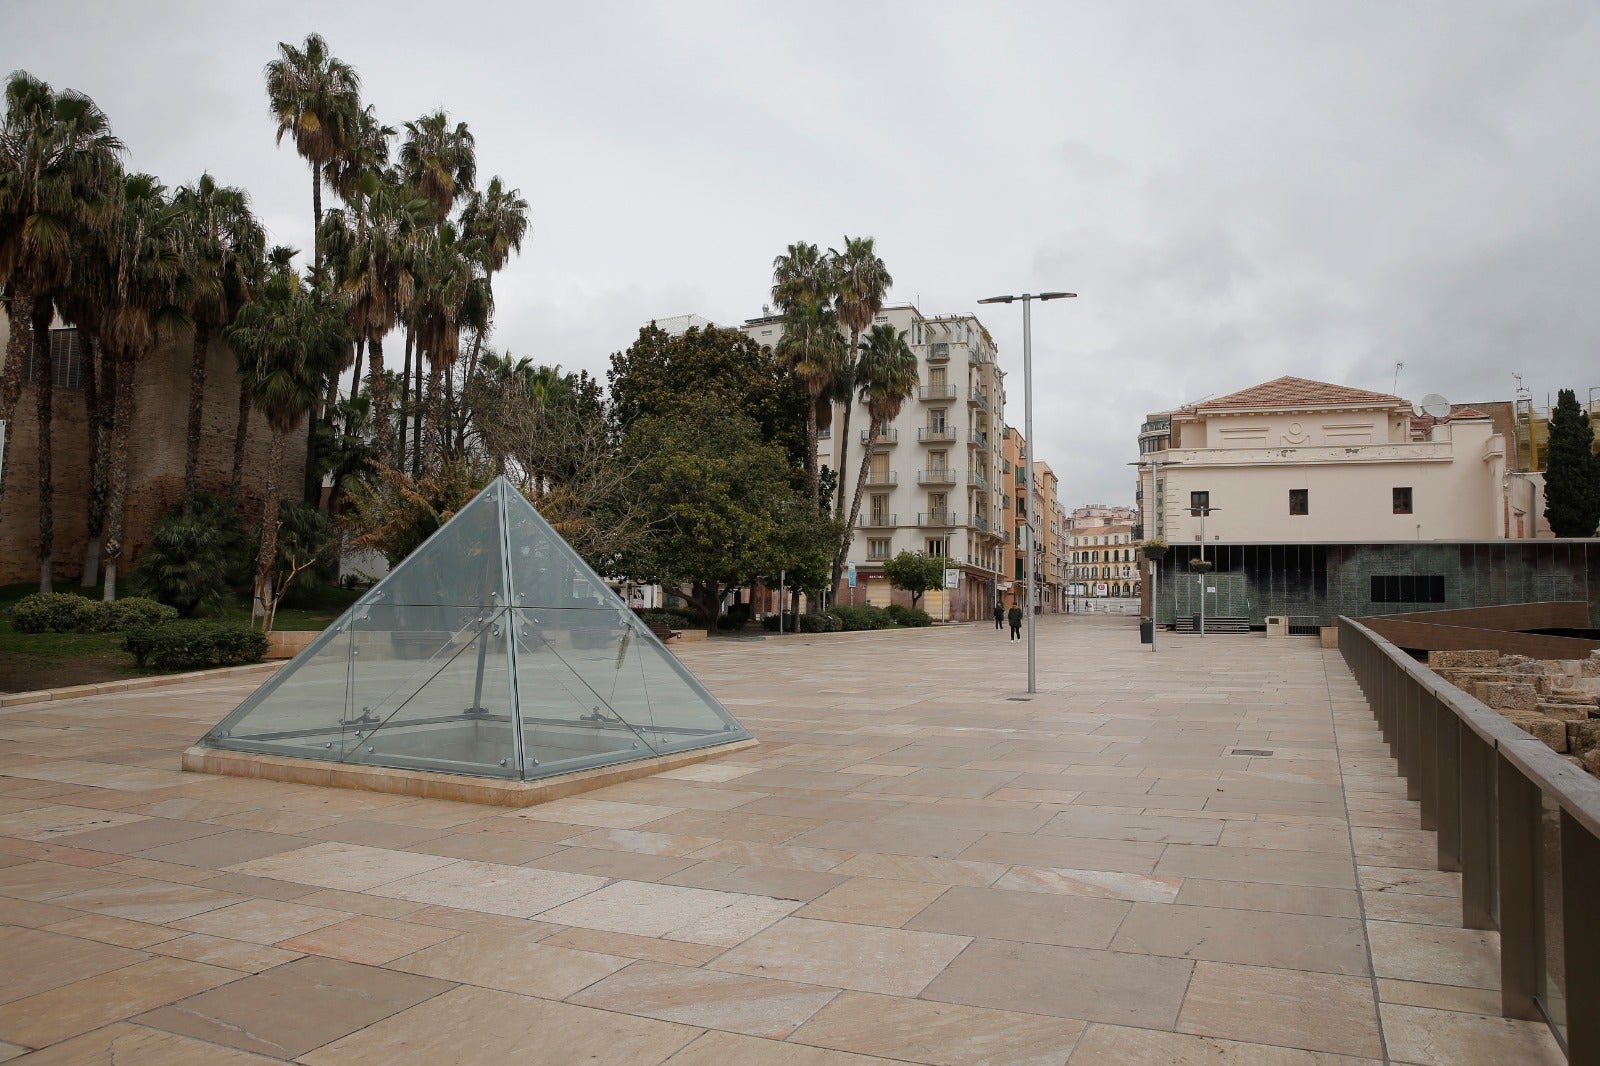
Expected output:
(1294, 392)
(1467, 412)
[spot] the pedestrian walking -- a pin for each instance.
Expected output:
(1015, 617)
(999, 615)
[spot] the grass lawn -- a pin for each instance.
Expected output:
(52, 660)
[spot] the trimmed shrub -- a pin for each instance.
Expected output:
(136, 611)
(670, 619)
(58, 612)
(857, 619)
(820, 623)
(194, 645)
(914, 617)
(190, 562)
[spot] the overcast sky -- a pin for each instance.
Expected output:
(1236, 190)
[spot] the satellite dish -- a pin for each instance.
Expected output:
(1435, 405)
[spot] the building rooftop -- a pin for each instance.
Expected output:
(1290, 392)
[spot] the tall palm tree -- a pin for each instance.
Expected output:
(860, 283)
(316, 99)
(888, 376)
(58, 173)
(439, 160)
(355, 175)
(813, 347)
(280, 259)
(497, 217)
(286, 341)
(144, 299)
(450, 287)
(801, 275)
(223, 246)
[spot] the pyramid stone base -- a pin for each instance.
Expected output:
(425, 784)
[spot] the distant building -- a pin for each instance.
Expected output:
(678, 325)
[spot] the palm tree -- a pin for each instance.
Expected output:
(143, 299)
(439, 160)
(497, 218)
(860, 282)
(812, 346)
(801, 275)
(287, 342)
(223, 245)
(280, 258)
(316, 99)
(888, 374)
(450, 288)
(58, 171)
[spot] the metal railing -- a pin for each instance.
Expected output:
(1520, 823)
(976, 397)
(936, 476)
(980, 439)
(930, 434)
(877, 521)
(938, 518)
(883, 477)
(885, 436)
(936, 392)
(978, 481)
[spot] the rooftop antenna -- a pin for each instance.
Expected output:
(1399, 365)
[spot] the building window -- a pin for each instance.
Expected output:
(1402, 500)
(936, 419)
(1299, 501)
(1199, 503)
(878, 550)
(935, 546)
(1407, 588)
(66, 359)
(1020, 575)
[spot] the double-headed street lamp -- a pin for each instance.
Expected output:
(1027, 299)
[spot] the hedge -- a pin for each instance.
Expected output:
(856, 619)
(914, 617)
(58, 612)
(194, 645)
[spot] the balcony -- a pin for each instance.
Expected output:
(937, 434)
(979, 439)
(825, 434)
(886, 437)
(936, 392)
(876, 478)
(938, 519)
(939, 352)
(936, 476)
(1005, 536)
(980, 523)
(978, 481)
(877, 521)
(978, 398)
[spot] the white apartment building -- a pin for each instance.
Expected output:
(1103, 560)
(934, 481)
(1294, 460)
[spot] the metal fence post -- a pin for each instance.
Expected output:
(1520, 891)
(1580, 887)
(1427, 711)
(1478, 875)
(1448, 735)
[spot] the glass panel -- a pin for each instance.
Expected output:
(299, 711)
(545, 571)
(432, 691)
(459, 565)
(1552, 976)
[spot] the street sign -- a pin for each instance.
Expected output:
(952, 578)
(852, 575)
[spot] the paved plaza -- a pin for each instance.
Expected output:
(1197, 856)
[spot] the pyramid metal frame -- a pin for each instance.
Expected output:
(556, 687)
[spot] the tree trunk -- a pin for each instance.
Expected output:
(197, 400)
(316, 223)
(261, 603)
(241, 432)
(855, 505)
(120, 431)
(405, 398)
(11, 380)
(95, 384)
(417, 410)
(431, 449)
(44, 387)
(811, 456)
(707, 599)
(355, 378)
(844, 440)
(378, 390)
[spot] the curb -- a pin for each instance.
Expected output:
(73, 692)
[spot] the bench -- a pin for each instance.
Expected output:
(662, 633)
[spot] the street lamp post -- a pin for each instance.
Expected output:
(1203, 512)
(1155, 564)
(1027, 299)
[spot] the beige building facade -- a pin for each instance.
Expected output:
(1295, 460)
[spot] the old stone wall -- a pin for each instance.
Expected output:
(1557, 701)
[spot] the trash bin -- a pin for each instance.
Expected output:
(1147, 631)
(1277, 625)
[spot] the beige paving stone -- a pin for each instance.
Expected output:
(261, 921)
(641, 842)
(484, 1027)
(220, 951)
(595, 812)
(616, 864)
(746, 825)
(1263, 938)
(1376, 879)
(220, 850)
(731, 1049)
(1031, 917)
(375, 834)
(1115, 1045)
(941, 1034)
(54, 821)
(1156, 829)
(1059, 850)
(1439, 997)
(1288, 836)
(511, 963)
(771, 881)
(716, 1000)
(155, 902)
(1268, 1006)
(142, 835)
(1452, 1038)
(368, 940)
(11, 1051)
(123, 1044)
(1081, 983)
(71, 1009)
(708, 771)
(260, 887)
(119, 931)
(865, 958)
(359, 903)
(349, 867)
(290, 1009)
(515, 891)
(934, 842)
(1265, 865)
(746, 853)
(915, 868)
(36, 961)
(465, 921)
(1413, 908)
(1430, 953)
(40, 881)
(156, 870)
(485, 847)
(872, 901)
(1101, 884)
(700, 916)
(647, 948)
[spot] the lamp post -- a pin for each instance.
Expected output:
(1155, 566)
(1203, 567)
(1027, 299)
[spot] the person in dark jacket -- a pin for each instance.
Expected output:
(1015, 617)
(999, 615)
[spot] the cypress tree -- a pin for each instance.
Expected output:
(1572, 471)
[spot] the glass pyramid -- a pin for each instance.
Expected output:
(492, 650)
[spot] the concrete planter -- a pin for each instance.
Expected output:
(286, 644)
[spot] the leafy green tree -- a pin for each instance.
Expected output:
(304, 539)
(193, 557)
(716, 498)
(915, 573)
(888, 375)
(1572, 472)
